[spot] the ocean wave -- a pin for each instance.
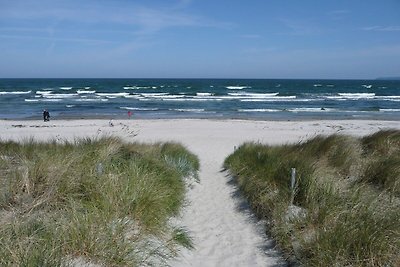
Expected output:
(59, 95)
(317, 85)
(134, 87)
(65, 88)
(356, 94)
(153, 94)
(15, 92)
(188, 109)
(166, 96)
(271, 99)
(86, 91)
(311, 109)
(254, 95)
(31, 100)
(112, 94)
(134, 96)
(139, 109)
(259, 110)
(43, 92)
(389, 109)
(233, 87)
(182, 99)
(69, 106)
(387, 97)
(368, 86)
(352, 96)
(91, 100)
(204, 94)
(50, 100)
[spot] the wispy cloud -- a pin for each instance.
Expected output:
(250, 36)
(340, 11)
(76, 40)
(382, 28)
(338, 14)
(300, 27)
(124, 26)
(142, 19)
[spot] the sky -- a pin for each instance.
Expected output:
(307, 39)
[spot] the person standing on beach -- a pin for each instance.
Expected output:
(46, 115)
(129, 114)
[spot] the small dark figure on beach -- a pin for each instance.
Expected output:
(46, 115)
(129, 114)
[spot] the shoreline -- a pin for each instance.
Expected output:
(102, 117)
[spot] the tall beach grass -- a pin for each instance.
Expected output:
(344, 209)
(98, 201)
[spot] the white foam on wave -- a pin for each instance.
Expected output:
(259, 110)
(389, 109)
(233, 87)
(91, 100)
(112, 94)
(59, 95)
(31, 100)
(15, 92)
(134, 87)
(352, 96)
(86, 91)
(135, 96)
(153, 94)
(43, 92)
(254, 95)
(188, 109)
(139, 109)
(310, 109)
(317, 85)
(183, 99)
(357, 94)
(271, 99)
(368, 86)
(51, 100)
(204, 94)
(388, 97)
(69, 106)
(166, 96)
(65, 88)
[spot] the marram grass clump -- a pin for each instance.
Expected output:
(344, 209)
(99, 201)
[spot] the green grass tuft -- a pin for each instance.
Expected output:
(345, 208)
(97, 200)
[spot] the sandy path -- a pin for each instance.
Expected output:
(225, 233)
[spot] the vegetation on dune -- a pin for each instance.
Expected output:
(99, 201)
(344, 209)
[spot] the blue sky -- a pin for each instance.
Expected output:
(200, 38)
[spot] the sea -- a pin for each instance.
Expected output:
(257, 99)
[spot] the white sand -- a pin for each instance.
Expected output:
(225, 232)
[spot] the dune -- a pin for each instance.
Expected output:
(224, 230)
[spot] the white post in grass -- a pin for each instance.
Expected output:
(293, 182)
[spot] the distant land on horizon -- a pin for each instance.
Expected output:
(388, 78)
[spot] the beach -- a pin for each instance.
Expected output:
(224, 231)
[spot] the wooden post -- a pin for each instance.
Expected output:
(293, 183)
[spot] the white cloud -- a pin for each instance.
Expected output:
(382, 28)
(143, 19)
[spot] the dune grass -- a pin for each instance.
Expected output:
(345, 207)
(99, 201)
